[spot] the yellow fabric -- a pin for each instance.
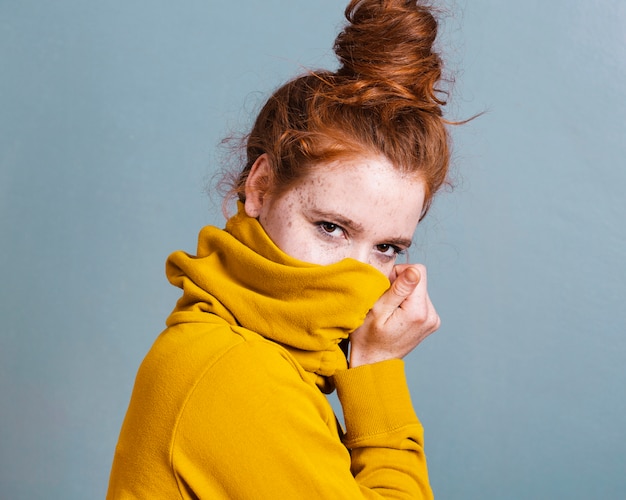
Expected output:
(227, 403)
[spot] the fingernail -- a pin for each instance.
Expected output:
(412, 275)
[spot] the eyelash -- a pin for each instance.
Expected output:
(327, 229)
(397, 251)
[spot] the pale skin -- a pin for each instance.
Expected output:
(361, 208)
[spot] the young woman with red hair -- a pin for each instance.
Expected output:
(300, 294)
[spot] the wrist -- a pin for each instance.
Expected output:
(359, 357)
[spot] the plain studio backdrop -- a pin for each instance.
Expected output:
(110, 117)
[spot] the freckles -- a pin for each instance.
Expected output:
(299, 194)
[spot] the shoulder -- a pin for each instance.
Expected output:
(216, 359)
(185, 354)
(252, 368)
(254, 384)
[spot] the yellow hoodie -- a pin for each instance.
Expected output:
(229, 403)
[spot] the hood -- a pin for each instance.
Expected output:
(240, 275)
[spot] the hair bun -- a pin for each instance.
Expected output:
(388, 44)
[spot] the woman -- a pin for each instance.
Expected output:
(341, 167)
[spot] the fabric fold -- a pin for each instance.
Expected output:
(239, 275)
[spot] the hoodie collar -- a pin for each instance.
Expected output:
(240, 275)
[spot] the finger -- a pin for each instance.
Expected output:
(403, 286)
(418, 301)
(408, 278)
(397, 271)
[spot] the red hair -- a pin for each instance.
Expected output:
(383, 100)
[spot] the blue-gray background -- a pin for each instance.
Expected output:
(110, 113)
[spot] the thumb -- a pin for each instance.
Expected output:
(405, 283)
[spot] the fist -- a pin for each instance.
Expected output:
(398, 321)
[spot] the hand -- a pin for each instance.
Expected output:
(398, 321)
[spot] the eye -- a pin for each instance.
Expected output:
(389, 250)
(330, 229)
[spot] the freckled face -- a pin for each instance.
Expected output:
(360, 208)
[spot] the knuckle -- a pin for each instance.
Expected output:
(420, 267)
(437, 322)
(401, 290)
(420, 316)
(377, 322)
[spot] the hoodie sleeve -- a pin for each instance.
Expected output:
(382, 431)
(254, 427)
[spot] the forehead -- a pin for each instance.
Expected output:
(365, 189)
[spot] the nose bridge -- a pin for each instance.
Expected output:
(360, 252)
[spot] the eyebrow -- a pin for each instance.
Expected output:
(356, 227)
